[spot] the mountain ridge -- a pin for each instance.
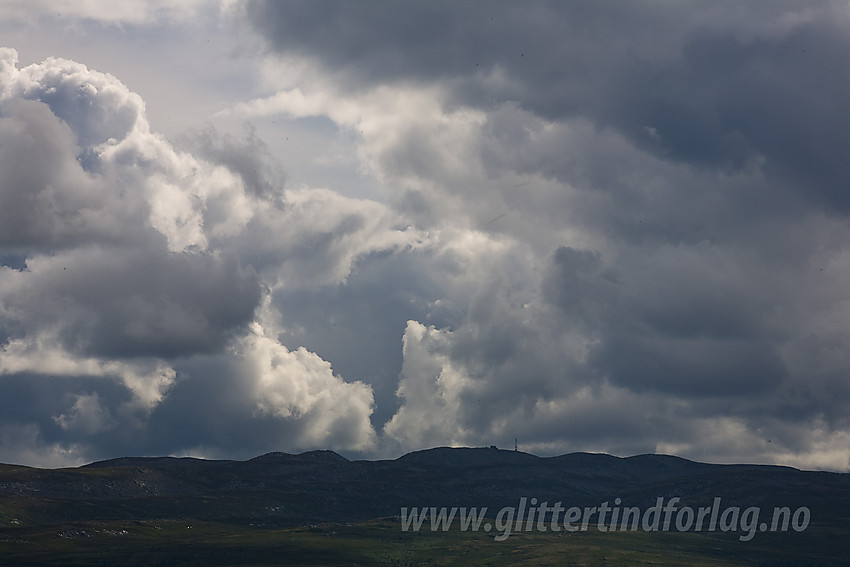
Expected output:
(489, 455)
(280, 488)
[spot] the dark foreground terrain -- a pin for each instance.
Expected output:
(319, 508)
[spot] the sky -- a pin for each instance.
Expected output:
(232, 227)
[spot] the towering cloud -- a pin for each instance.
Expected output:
(127, 262)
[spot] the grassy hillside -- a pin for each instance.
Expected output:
(319, 508)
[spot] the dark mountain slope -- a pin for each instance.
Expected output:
(322, 486)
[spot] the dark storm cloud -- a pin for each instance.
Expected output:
(684, 323)
(580, 285)
(690, 367)
(712, 85)
(142, 303)
(37, 398)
